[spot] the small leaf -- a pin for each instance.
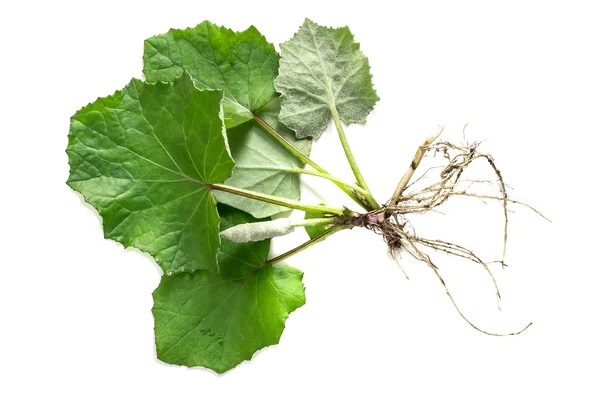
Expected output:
(242, 64)
(322, 72)
(143, 157)
(314, 231)
(262, 164)
(218, 321)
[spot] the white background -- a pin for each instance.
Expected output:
(75, 308)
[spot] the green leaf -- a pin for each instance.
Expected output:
(143, 157)
(323, 72)
(242, 64)
(316, 230)
(218, 321)
(263, 165)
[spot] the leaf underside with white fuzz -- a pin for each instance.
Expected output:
(242, 64)
(322, 71)
(262, 164)
(256, 231)
(218, 321)
(143, 157)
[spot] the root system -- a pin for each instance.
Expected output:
(392, 220)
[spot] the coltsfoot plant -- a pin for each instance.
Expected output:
(191, 164)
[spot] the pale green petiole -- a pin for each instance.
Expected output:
(319, 238)
(313, 173)
(280, 201)
(300, 155)
(359, 178)
(315, 222)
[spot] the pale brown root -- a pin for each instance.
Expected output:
(504, 202)
(432, 196)
(395, 258)
(390, 221)
(463, 252)
(508, 200)
(412, 249)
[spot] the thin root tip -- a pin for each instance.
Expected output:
(524, 329)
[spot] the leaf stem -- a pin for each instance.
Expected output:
(313, 173)
(319, 238)
(359, 178)
(315, 222)
(280, 201)
(303, 157)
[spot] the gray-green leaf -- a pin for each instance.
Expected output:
(143, 157)
(323, 72)
(242, 64)
(263, 165)
(218, 321)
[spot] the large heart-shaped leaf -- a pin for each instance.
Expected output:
(242, 64)
(143, 158)
(218, 321)
(323, 72)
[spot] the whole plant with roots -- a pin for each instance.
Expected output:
(192, 164)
